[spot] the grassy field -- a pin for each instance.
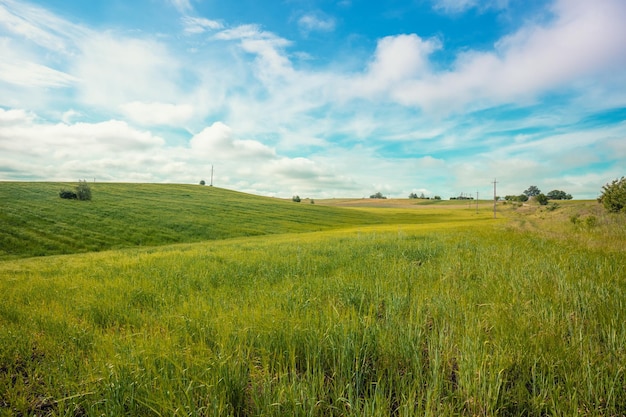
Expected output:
(36, 222)
(402, 314)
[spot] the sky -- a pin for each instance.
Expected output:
(316, 98)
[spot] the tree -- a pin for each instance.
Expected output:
(558, 195)
(378, 195)
(541, 199)
(83, 191)
(202, 182)
(532, 191)
(613, 196)
(412, 195)
(296, 198)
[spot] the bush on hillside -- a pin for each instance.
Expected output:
(67, 194)
(613, 196)
(83, 192)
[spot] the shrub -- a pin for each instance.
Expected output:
(296, 198)
(613, 196)
(83, 191)
(70, 195)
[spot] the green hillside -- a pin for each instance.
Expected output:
(35, 221)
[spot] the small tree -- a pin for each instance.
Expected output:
(202, 182)
(532, 191)
(558, 195)
(613, 196)
(412, 195)
(83, 191)
(296, 198)
(378, 195)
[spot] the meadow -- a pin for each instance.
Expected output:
(437, 311)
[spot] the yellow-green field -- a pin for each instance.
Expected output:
(320, 311)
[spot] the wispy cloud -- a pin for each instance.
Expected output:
(316, 22)
(197, 25)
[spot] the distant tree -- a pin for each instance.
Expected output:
(312, 201)
(412, 195)
(522, 198)
(558, 195)
(83, 191)
(202, 182)
(296, 198)
(378, 195)
(437, 197)
(541, 199)
(532, 191)
(613, 196)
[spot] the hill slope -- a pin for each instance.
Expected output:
(35, 222)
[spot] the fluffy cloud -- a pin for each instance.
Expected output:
(584, 40)
(218, 141)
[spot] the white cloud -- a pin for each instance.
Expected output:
(585, 40)
(39, 26)
(218, 141)
(316, 22)
(33, 75)
(460, 6)
(115, 70)
(157, 113)
(197, 25)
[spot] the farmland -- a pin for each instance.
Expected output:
(189, 300)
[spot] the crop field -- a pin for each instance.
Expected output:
(225, 304)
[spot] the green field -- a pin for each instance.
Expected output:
(189, 300)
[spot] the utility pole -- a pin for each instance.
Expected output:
(211, 175)
(476, 202)
(494, 197)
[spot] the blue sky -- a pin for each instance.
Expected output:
(319, 98)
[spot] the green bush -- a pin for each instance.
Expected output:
(83, 191)
(613, 196)
(67, 194)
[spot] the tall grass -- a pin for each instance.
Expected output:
(389, 320)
